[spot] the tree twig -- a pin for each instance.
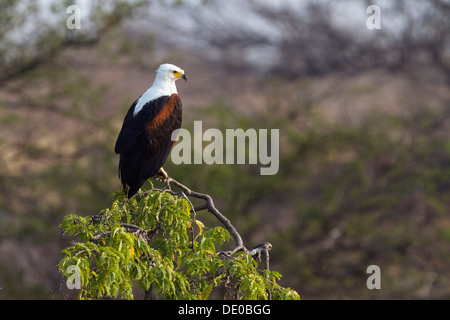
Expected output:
(209, 205)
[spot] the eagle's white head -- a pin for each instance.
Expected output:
(169, 72)
(164, 85)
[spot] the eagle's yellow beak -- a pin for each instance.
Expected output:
(179, 75)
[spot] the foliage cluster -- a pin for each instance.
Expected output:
(155, 244)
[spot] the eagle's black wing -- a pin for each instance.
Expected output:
(144, 143)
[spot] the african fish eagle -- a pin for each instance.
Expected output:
(144, 142)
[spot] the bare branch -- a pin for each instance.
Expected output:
(209, 204)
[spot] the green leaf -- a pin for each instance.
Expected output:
(200, 226)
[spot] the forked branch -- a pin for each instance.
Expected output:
(260, 251)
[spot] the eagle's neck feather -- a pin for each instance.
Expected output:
(162, 86)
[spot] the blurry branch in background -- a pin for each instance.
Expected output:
(291, 40)
(21, 52)
(297, 39)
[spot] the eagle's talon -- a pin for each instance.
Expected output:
(161, 175)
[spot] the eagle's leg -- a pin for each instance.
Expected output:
(162, 174)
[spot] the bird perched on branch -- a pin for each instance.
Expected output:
(144, 143)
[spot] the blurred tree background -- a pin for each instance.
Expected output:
(364, 119)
